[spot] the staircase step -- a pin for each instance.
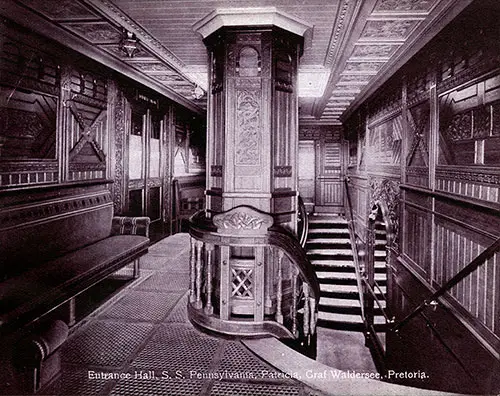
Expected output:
(327, 219)
(336, 317)
(324, 229)
(332, 245)
(330, 324)
(350, 311)
(333, 263)
(325, 240)
(336, 281)
(333, 291)
(329, 287)
(380, 277)
(329, 271)
(339, 294)
(340, 302)
(330, 252)
(341, 310)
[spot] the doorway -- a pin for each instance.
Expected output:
(307, 173)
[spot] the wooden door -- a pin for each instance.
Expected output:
(146, 167)
(307, 173)
(329, 187)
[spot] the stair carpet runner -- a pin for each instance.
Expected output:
(329, 250)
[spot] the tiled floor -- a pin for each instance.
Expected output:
(144, 344)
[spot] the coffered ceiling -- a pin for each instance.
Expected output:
(351, 49)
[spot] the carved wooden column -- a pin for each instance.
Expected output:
(253, 110)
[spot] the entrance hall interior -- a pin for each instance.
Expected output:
(250, 198)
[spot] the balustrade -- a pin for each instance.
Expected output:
(250, 278)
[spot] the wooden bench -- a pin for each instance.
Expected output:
(53, 249)
(57, 243)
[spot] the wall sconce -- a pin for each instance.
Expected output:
(129, 43)
(198, 92)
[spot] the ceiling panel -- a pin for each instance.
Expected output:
(354, 47)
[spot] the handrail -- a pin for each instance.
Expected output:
(276, 236)
(463, 273)
(302, 214)
(247, 227)
(286, 241)
(352, 237)
(374, 295)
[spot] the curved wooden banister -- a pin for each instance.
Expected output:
(285, 240)
(282, 281)
(303, 222)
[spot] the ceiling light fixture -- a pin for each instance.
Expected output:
(198, 92)
(129, 43)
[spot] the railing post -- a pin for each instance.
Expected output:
(259, 284)
(279, 296)
(192, 274)
(312, 307)
(198, 303)
(305, 288)
(209, 309)
(294, 302)
(225, 284)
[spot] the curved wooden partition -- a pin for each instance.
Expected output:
(250, 278)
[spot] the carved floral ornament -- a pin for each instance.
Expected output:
(243, 219)
(386, 193)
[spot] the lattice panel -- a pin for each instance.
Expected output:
(242, 282)
(105, 343)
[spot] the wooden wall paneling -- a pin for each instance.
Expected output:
(167, 165)
(417, 232)
(65, 122)
(446, 336)
(120, 150)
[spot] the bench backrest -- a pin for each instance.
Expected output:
(51, 224)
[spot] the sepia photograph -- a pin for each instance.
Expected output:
(249, 197)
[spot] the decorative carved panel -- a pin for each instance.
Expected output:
(95, 32)
(216, 170)
(418, 139)
(363, 67)
(243, 219)
(248, 119)
(385, 142)
(374, 51)
(386, 192)
(354, 78)
(404, 5)
(282, 171)
(61, 9)
(467, 121)
(389, 29)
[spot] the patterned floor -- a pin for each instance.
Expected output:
(143, 344)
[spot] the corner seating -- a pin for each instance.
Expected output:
(55, 248)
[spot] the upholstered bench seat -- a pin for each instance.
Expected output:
(43, 288)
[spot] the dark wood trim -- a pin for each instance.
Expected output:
(459, 199)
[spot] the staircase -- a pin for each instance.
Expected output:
(329, 249)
